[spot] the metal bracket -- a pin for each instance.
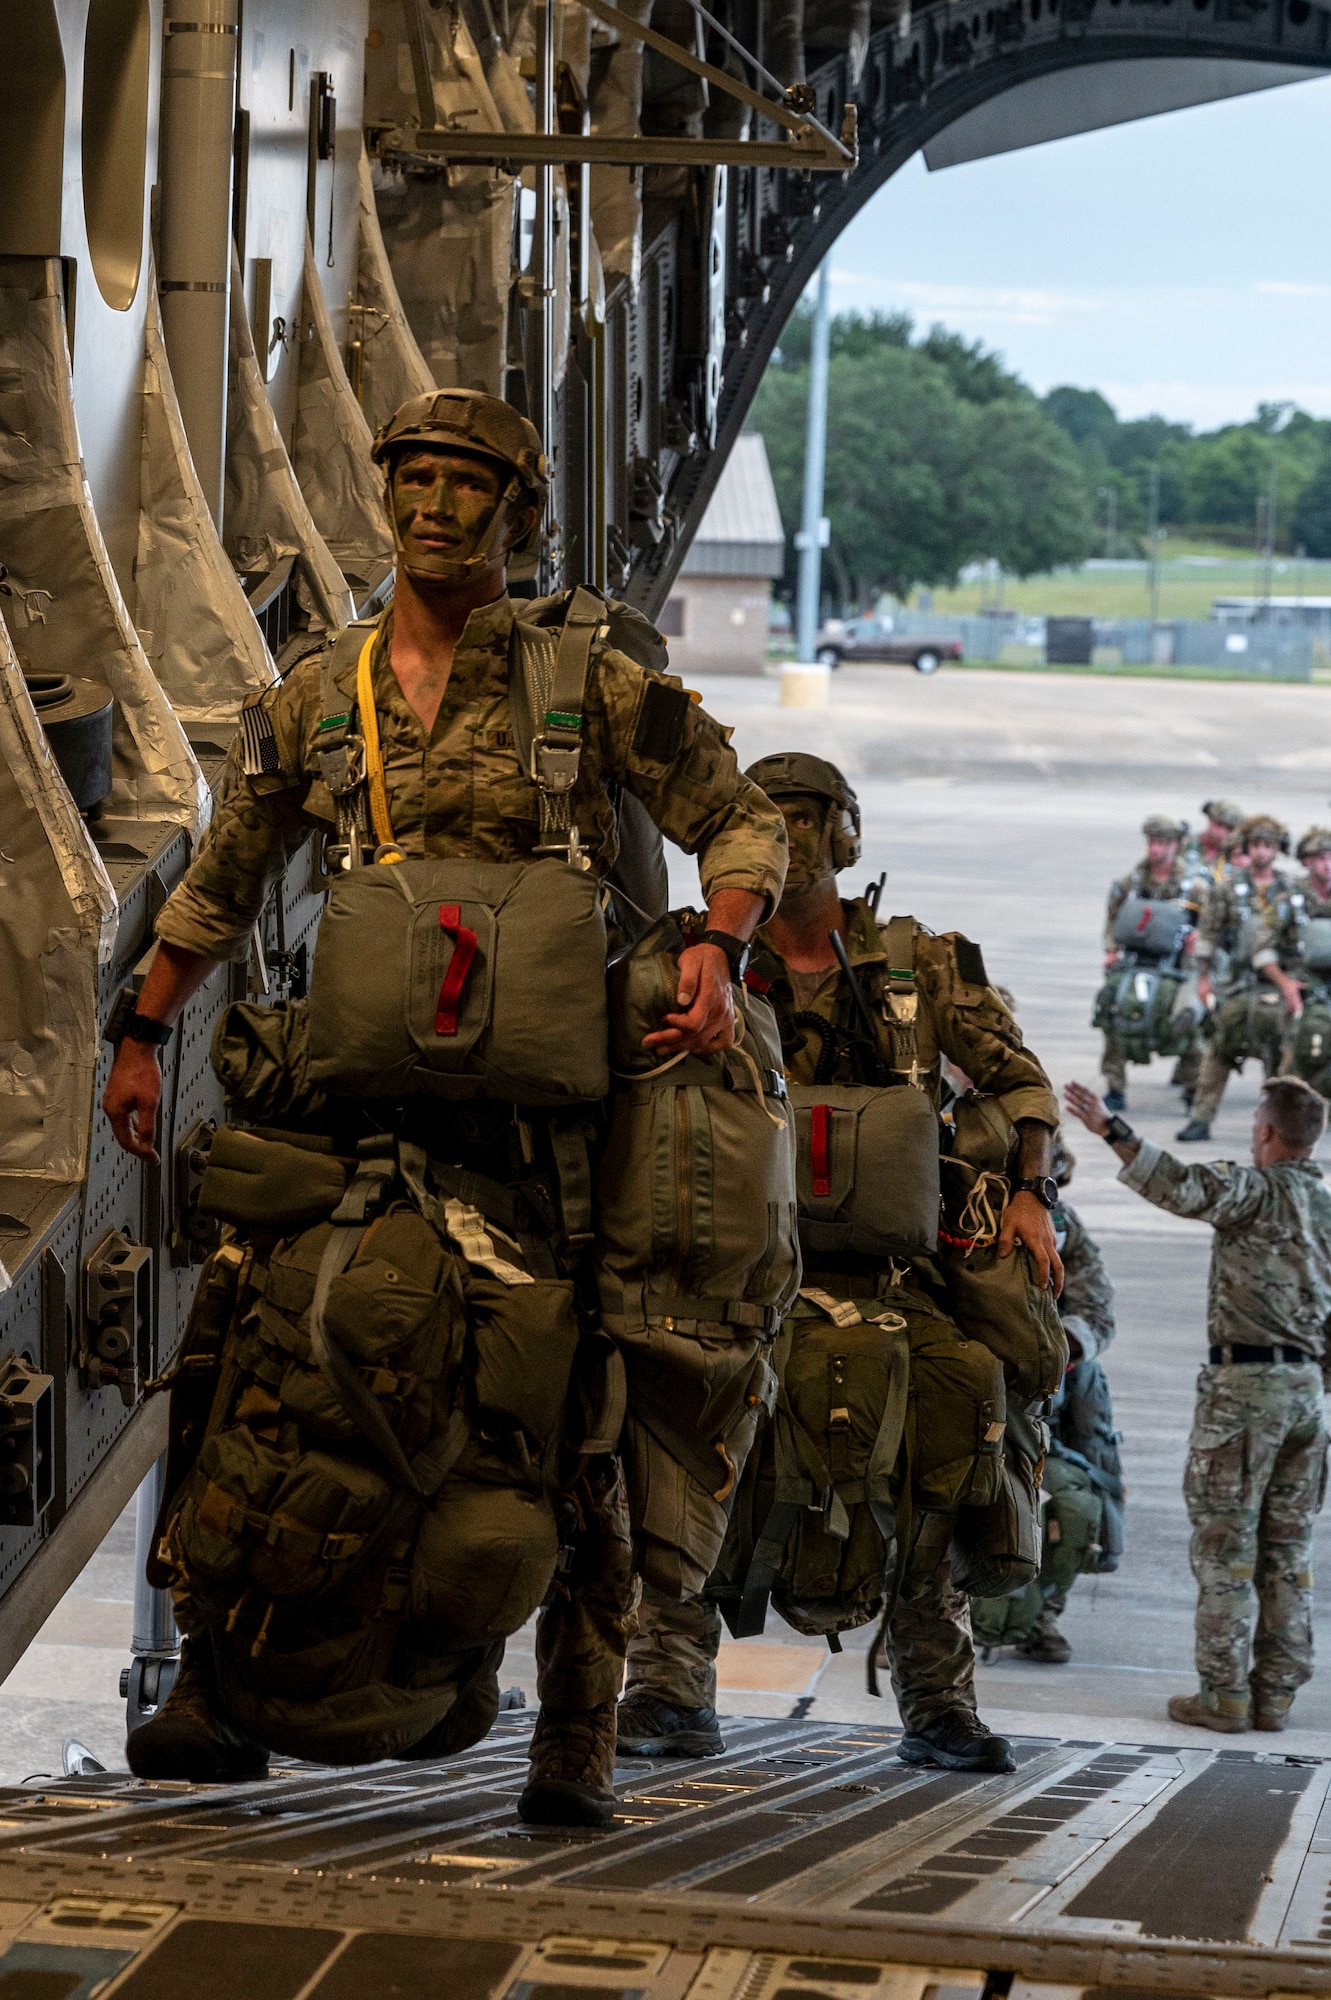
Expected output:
(118, 1302)
(27, 1442)
(810, 147)
(194, 1235)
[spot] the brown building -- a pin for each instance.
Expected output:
(716, 616)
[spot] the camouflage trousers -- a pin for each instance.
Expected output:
(1255, 1480)
(1114, 1067)
(929, 1646)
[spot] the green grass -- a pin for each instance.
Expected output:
(1187, 588)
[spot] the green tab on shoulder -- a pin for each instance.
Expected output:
(560, 718)
(334, 721)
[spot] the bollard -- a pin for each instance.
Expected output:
(805, 686)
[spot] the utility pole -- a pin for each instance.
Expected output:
(1153, 539)
(1269, 537)
(810, 541)
(1109, 494)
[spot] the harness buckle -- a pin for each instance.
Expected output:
(343, 767)
(554, 765)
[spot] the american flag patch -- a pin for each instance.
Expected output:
(258, 745)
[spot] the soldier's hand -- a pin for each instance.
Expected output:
(1027, 1220)
(1086, 1105)
(705, 1021)
(132, 1096)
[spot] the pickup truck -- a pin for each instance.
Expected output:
(873, 639)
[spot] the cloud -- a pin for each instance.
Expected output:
(1207, 405)
(1277, 289)
(977, 305)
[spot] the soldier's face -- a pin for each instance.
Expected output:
(1319, 867)
(1262, 853)
(442, 503)
(809, 834)
(1161, 852)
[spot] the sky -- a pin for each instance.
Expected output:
(1179, 264)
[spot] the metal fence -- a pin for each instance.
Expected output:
(1258, 650)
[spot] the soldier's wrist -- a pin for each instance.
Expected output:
(1118, 1132)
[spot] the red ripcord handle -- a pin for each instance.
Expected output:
(819, 1125)
(459, 965)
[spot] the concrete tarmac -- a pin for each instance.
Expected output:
(999, 804)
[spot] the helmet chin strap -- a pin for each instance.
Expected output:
(456, 569)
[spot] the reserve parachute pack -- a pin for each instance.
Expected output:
(1315, 942)
(696, 1249)
(366, 1418)
(866, 1170)
(1149, 1003)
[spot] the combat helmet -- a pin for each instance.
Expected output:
(1258, 824)
(468, 420)
(1223, 811)
(1159, 826)
(1317, 840)
(793, 772)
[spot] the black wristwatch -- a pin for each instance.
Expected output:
(734, 948)
(125, 1019)
(1119, 1131)
(1043, 1186)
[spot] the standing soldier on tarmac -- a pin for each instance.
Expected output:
(1249, 1019)
(1207, 853)
(466, 482)
(1294, 954)
(1161, 877)
(956, 1014)
(1256, 1468)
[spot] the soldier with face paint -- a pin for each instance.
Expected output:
(465, 485)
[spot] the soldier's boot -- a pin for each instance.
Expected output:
(1116, 1100)
(958, 1741)
(1230, 1714)
(1046, 1643)
(190, 1737)
(1270, 1708)
(1196, 1128)
(650, 1726)
(572, 1768)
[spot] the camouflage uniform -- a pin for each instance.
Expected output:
(1256, 1468)
(1083, 1454)
(961, 1017)
(459, 790)
(1281, 941)
(1180, 885)
(1250, 1015)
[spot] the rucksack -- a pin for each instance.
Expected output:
(1148, 1011)
(1249, 1022)
(371, 1497)
(1072, 1533)
(1082, 1427)
(826, 1507)
(1310, 1043)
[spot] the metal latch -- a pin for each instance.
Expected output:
(194, 1234)
(27, 1442)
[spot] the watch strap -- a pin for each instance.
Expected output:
(1119, 1131)
(1043, 1186)
(735, 949)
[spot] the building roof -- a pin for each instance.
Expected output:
(741, 532)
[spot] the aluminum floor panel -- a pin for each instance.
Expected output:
(807, 1863)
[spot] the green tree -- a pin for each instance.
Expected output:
(1312, 510)
(920, 479)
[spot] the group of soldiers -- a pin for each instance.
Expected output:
(1246, 974)
(400, 748)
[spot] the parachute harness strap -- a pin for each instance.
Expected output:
(374, 762)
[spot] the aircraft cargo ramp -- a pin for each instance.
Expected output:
(807, 1863)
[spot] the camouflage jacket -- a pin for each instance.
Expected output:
(1086, 1305)
(1280, 939)
(1195, 862)
(959, 1016)
(1270, 1279)
(1181, 885)
(460, 790)
(1232, 919)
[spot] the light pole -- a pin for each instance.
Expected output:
(1153, 541)
(1280, 416)
(1109, 494)
(810, 539)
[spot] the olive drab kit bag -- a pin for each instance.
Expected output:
(697, 1254)
(396, 1363)
(899, 1410)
